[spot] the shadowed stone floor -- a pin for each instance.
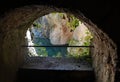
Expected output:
(50, 63)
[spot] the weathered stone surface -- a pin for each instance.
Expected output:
(50, 63)
(104, 56)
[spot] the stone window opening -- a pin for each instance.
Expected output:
(59, 36)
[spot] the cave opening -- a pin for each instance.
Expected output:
(59, 35)
(50, 32)
(15, 24)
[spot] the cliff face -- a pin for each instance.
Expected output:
(54, 27)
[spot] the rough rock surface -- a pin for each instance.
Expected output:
(50, 63)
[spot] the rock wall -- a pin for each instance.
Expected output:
(104, 56)
(12, 32)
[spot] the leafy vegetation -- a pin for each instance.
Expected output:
(37, 25)
(73, 22)
(80, 52)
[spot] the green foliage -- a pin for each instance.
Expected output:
(88, 38)
(73, 22)
(38, 25)
(41, 51)
(61, 15)
(59, 55)
(73, 42)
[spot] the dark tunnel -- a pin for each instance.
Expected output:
(101, 18)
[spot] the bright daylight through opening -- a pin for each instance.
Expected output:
(58, 35)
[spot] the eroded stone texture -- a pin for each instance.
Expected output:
(13, 27)
(104, 56)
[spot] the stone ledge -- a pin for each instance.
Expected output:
(49, 63)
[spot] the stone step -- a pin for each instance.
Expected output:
(49, 63)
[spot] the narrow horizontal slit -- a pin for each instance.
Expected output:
(56, 46)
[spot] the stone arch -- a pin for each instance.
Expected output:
(13, 28)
